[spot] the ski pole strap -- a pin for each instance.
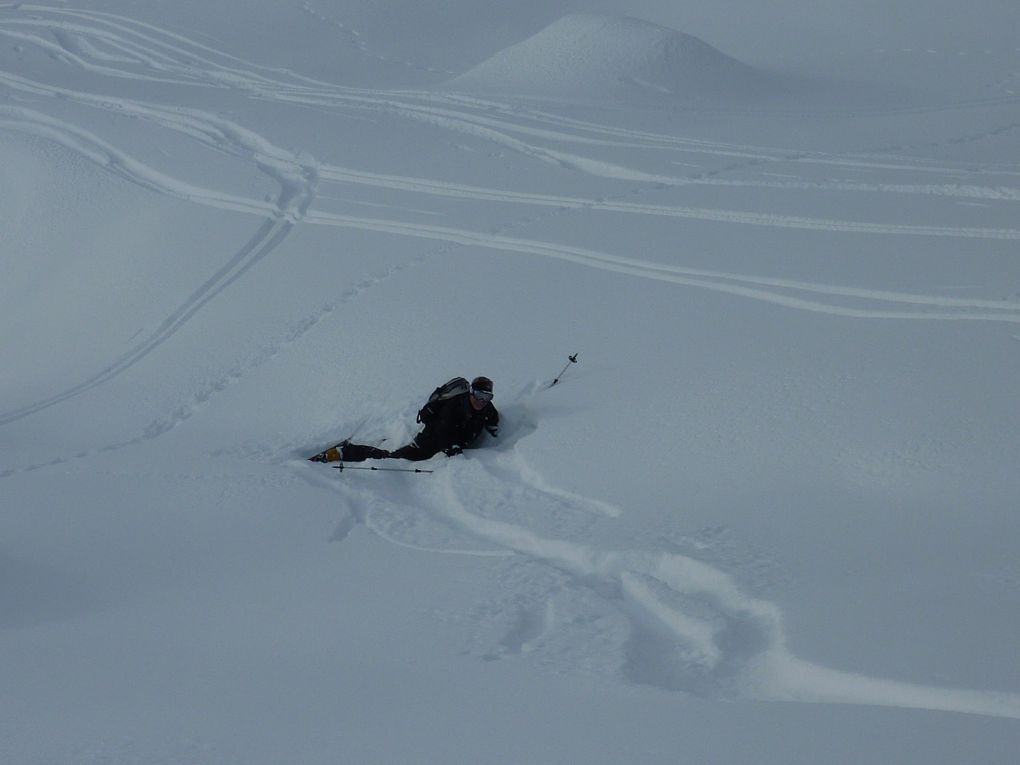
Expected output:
(383, 470)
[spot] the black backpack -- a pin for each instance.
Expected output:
(452, 388)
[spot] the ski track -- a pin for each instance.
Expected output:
(699, 632)
(299, 176)
(201, 397)
(345, 175)
(165, 51)
(459, 191)
(733, 643)
(742, 286)
(296, 175)
(692, 628)
(484, 126)
(120, 164)
(739, 647)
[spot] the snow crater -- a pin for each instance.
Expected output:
(605, 57)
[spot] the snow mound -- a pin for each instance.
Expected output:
(592, 56)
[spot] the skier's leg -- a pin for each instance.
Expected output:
(348, 452)
(332, 454)
(414, 451)
(360, 452)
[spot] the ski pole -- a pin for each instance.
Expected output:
(573, 360)
(385, 470)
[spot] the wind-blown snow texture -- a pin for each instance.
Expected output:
(769, 517)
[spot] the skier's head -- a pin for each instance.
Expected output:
(481, 392)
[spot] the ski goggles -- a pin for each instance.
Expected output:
(482, 395)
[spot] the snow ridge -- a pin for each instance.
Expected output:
(588, 55)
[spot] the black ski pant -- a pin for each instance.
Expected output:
(412, 451)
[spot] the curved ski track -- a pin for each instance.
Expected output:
(730, 639)
(295, 175)
(732, 643)
(117, 46)
(725, 642)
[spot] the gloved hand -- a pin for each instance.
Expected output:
(453, 451)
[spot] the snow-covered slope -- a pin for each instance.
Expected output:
(604, 57)
(769, 516)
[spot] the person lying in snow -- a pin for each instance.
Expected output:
(454, 417)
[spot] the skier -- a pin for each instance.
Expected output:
(454, 417)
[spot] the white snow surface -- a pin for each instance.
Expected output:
(585, 55)
(769, 516)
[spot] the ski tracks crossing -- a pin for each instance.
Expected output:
(110, 45)
(699, 630)
(116, 46)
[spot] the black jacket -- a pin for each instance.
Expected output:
(455, 423)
